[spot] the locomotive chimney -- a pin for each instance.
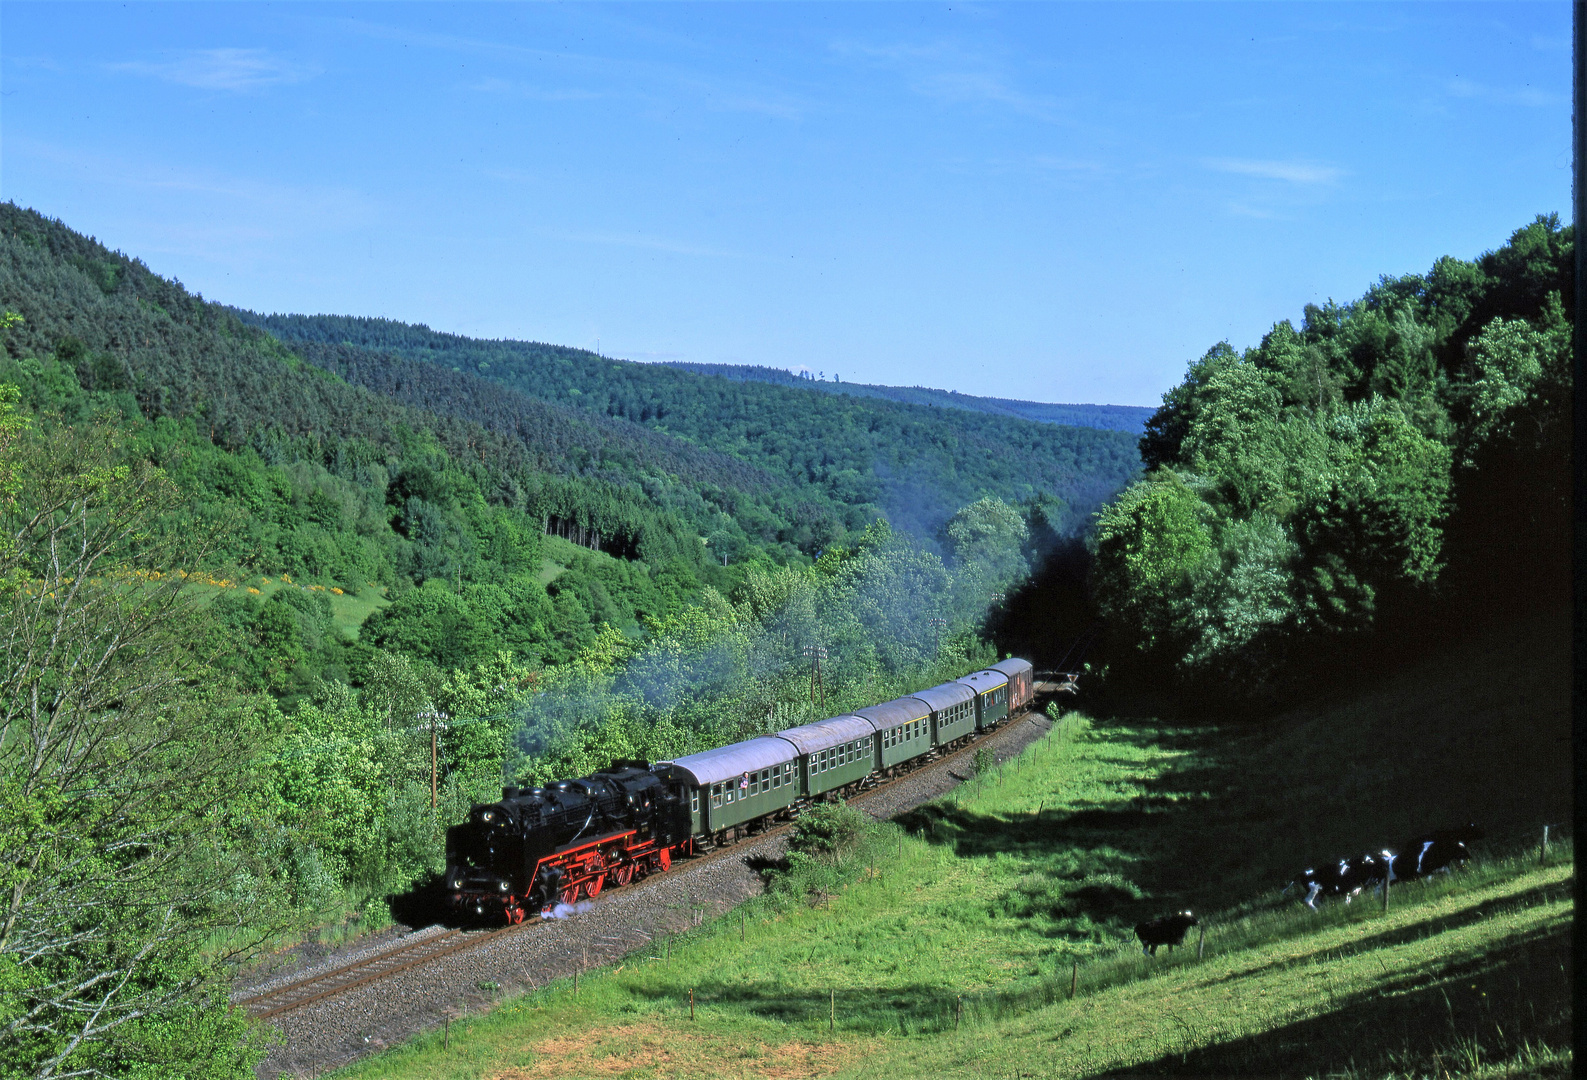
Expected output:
(509, 792)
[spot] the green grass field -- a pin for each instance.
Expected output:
(946, 945)
(348, 609)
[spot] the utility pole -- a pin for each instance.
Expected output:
(817, 653)
(435, 716)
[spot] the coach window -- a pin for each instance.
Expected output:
(716, 794)
(694, 800)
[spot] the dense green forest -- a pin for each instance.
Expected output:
(1393, 469)
(1131, 418)
(913, 463)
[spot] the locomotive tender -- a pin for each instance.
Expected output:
(539, 847)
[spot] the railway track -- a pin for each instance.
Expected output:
(311, 988)
(300, 992)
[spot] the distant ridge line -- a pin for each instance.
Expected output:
(1131, 418)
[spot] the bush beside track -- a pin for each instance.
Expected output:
(985, 900)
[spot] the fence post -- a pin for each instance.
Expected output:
(958, 1010)
(1542, 849)
(1074, 980)
(691, 1003)
(576, 980)
(832, 1011)
(741, 926)
(1201, 943)
(1386, 881)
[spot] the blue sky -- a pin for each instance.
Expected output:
(1053, 202)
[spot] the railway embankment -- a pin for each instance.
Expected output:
(334, 1026)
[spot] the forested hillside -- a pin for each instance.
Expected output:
(915, 464)
(275, 616)
(1391, 470)
(1131, 418)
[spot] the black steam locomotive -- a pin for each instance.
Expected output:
(559, 844)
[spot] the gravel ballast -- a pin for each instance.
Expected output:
(326, 1034)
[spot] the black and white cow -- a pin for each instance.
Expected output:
(1438, 850)
(1346, 878)
(1165, 930)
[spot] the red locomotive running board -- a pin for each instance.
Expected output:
(586, 868)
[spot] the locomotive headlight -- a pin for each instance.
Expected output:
(488, 816)
(502, 886)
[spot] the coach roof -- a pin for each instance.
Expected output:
(752, 755)
(946, 696)
(891, 714)
(824, 734)
(984, 682)
(1012, 667)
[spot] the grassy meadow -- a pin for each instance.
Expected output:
(946, 944)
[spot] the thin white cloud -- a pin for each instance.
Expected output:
(1525, 95)
(1292, 172)
(236, 70)
(946, 72)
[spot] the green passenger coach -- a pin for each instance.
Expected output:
(952, 707)
(735, 784)
(991, 697)
(903, 731)
(835, 755)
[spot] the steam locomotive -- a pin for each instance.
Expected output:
(543, 846)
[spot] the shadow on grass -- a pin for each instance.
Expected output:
(1471, 1011)
(1240, 809)
(907, 1010)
